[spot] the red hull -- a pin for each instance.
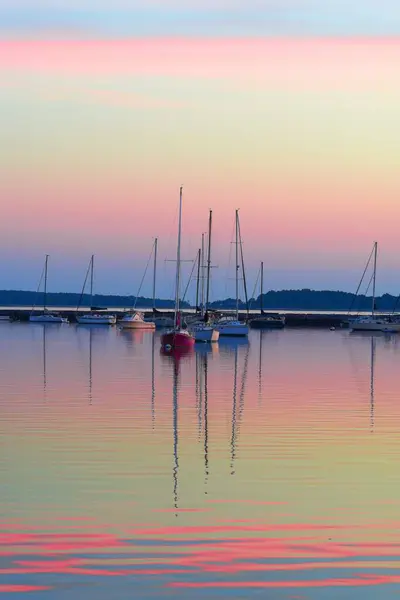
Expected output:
(176, 339)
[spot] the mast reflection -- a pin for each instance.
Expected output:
(44, 364)
(153, 386)
(237, 407)
(90, 367)
(372, 385)
(175, 358)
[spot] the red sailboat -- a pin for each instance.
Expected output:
(177, 337)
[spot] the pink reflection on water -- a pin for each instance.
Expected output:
(18, 589)
(362, 580)
(60, 553)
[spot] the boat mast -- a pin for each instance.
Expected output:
(91, 280)
(261, 287)
(374, 278)
(237, 263)
(209, 259)
(198, 278)
(243, 271)
(154, 273)
(178, 260)
(202, 275)
(45, 283)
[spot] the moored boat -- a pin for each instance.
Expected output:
(96, 319)
(373, 322)
(232, 326)
(135, 320)
(177, 337)
(203, 330)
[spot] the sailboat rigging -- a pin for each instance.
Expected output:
(46, 316)
(266, 320)
(228, 325)
(178, 337)
(373, 322)
(93, 317)
(205, 331)
(134, 319)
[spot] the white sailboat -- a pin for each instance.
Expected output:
(94, 317)
(46, 316)
(205, 331)
(373, 322)
(231, 325)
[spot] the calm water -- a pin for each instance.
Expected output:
(267, 468)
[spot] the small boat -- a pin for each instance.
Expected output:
(96, 316)
(177, 338)
(97, 319)
(204, 331)
(46, 316)
(266, 320)
(231, 325)
(135, 320)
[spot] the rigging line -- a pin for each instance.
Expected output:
(229, 258)
(144, 275)
(38, 288)
(190, 276)
(255, 287)
(361, 280)
(84, 285)
(243, 271)
(367, 290)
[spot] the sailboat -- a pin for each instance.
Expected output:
(46, 316)
(205, 332)
(93, 318)
(373, 322)
(266, 320)
(134, 319)
(228, 325)
(177, 337)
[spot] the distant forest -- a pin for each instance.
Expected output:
(283, 300)
(24, 298)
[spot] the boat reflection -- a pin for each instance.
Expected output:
(133, 337)
(229, 345)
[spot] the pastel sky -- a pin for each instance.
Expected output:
(287, 110)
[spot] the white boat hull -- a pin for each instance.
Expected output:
(233, 329)
(374, 326)
(206, 334)
(96, 320)
(47, 319)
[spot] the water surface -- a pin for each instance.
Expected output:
(266, 468)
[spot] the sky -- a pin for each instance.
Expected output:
(286, 110)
